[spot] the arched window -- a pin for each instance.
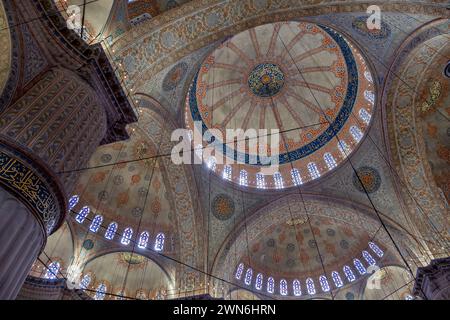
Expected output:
(96, 223)
(73, 201)
(278, 179)
(283, 287)
(376, 249)
(248, 276)
(239, 271)
(259, 281)
(313, 170)
(85, 281)
(329, 160)
(126, 236)
(159, 243)
(368, 76)
(324, 283)
(260, 181)
(359, 266)
(100, 293)
(143, 240)
(370, 260)
(111, 231)
(356, 133)
(337, 279)
(141, 295)
(52, 270)
(343, 148)
(297, 288)
(365, 116)
(370, 96)
(212, 163)
(227, 171)
(310, 286)
(81, 216)
(296, 177)
(243, 178)
(270, 285)
(349, 274)
(199, 152)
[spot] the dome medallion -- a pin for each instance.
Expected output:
(266, 80)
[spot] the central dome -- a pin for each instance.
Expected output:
(304, 80)
(266, 80)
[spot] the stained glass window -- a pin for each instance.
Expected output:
(337, 279)
(359, 266)
(126, 237)
(73, 201)
(297, 288)
(52, 270)
(270, 285)
(313, 170)
(227, 172)
(248, 276)
(367, 256)
(260, 181)
(368, 76)
(365, 116)
(259, 281)
(212, 163)
(239, 271)
(310, 286)
(370, 96)
(243, 178)
(85, 281)
(159, 243)
(356, 133)
(329, 160)
(143, 240)
(199, 151)
(100, 293)
(278, 179)
(349, 274)
(343, 148)
(96, 223)
(376, 249)
(296, 177)
(324, 283)
(81, 216)
(283, 287)
(111, 231)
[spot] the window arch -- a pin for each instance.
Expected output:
(159, 242)
(100, 293)
(364, 115)
(297, 288)
(369, 96)
(337, 279)
(376, 249)
(96, 223)
(239, 271)
(359, 266)
(310, 286)
(126, 237)
(349, 274)
(52, 270)
(81, 216)
(243, 178)
(343, 148)
(260, 181)
(111, 231)
(270, 285)
(85, 281)
(296, 177)
(368, 257)
(259, 281)
(73, 201)
(313, 170)
(324, 283)
(356, 133)
(143, 240)
(278, 179)
(248, 276)
(283, 287)
(329, 160)
(227, 171)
